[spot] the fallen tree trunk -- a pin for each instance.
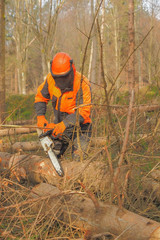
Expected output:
(94, 174)
(18, 130)
(21, 122)
(80, 211)
(20, 146)
(34, 145)
(38, 169)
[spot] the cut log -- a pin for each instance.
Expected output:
(94, 175)
(14, 131)
(34, 145)
(74, 208)
(36, 169)
(77, 210)
(22, 122)
(20, 146)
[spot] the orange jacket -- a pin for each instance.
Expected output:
(64, 104)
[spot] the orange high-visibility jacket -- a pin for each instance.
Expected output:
(64, 103)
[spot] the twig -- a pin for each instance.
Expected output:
(130, 56)
(87, 164)
(91, 196)
(105, 86)
(39, 199)
(82, 70)
(111, 171)
(124, 146)
(125, 185)
(36, 219)
(109, 160)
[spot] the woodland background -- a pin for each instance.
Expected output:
(36, 30)
(116, 44)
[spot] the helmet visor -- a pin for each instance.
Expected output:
(65, 83)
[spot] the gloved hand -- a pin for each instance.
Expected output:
(49, 126)
(59, 129)
(41, 121)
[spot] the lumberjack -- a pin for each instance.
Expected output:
(67, 90)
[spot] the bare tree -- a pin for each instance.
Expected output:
(45, 33)
(131, 62)
(2, 59)
(93, 55)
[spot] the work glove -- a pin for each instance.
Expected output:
(58, 129)
(49, 126)
(41, 121)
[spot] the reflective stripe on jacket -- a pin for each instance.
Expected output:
(64, 103)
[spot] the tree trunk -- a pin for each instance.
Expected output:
(20, 146)
(14, 131)
(36, 145)
(131, 62)
(80, 211)
(150, 53)
(18, 47)
(2, 60)
(92, 73)
(94, 174)
(38, 169)
(116, 32)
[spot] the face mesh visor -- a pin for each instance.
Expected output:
(65, 83)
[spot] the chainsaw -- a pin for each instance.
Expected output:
(48, 144)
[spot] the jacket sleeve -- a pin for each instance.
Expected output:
(83, 98)
(41, 99)
(85, 111)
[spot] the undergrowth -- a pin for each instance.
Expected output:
(19, 221)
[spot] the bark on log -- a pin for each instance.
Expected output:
(34, 145)
(14, 131)
(20, 146)
(36, 169)
(80, 211)
(22, 122)
(94, 175)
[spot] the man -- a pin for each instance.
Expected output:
(67, 90)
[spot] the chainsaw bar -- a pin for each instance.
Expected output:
(47, 144)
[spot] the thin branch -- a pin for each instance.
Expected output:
(91, 196)
(131, 55)
(124, 146)
(105, 86)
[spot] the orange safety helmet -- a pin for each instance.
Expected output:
(61, 65)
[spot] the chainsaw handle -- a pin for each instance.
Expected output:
(48, 133)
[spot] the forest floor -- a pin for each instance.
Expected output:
(142, 158)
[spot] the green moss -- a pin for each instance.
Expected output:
(152, 93)
(20, 107)
(149, 94)
(122, 98)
